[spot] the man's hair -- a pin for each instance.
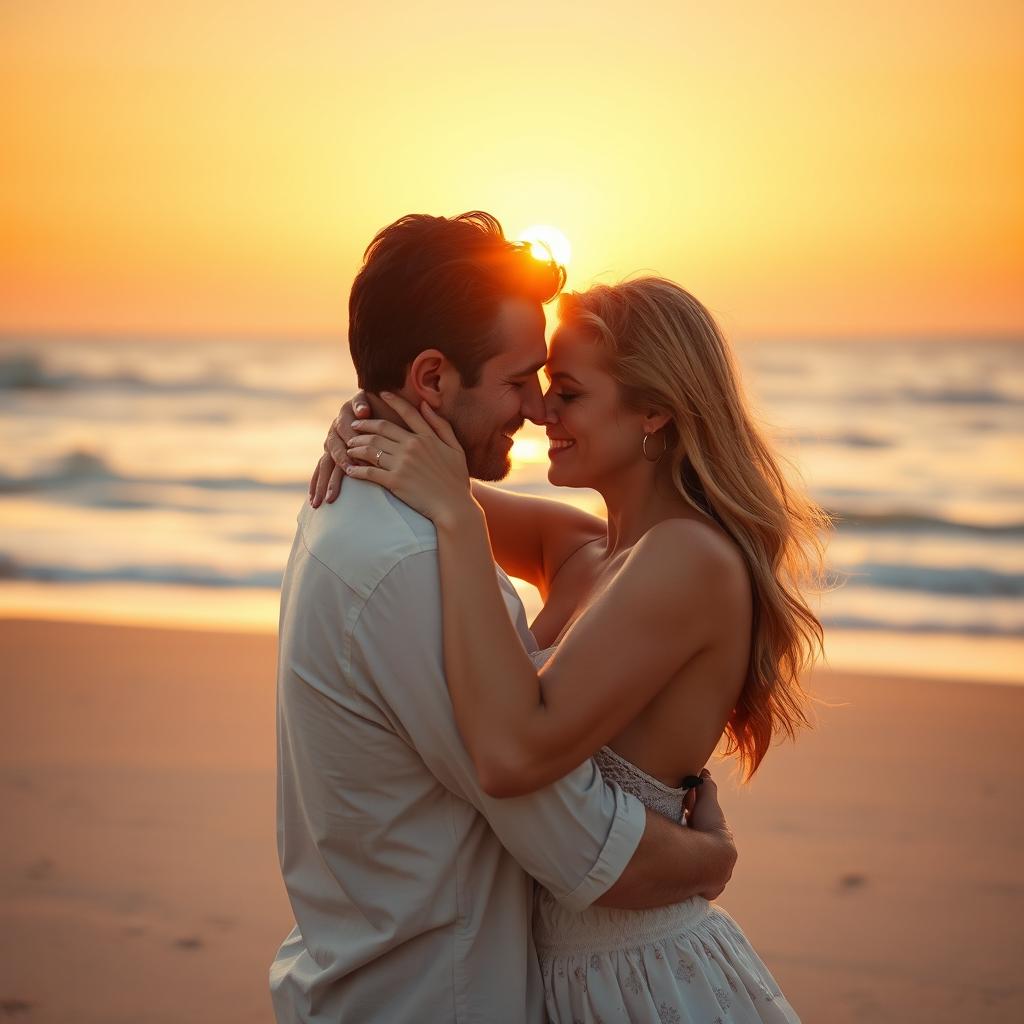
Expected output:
(437, 282)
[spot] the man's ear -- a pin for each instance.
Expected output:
(432, 378)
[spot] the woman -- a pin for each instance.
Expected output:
(679, 620)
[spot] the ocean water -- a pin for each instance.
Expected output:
(159, 481)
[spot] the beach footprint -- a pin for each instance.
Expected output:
(15, 1007)
(40, 870)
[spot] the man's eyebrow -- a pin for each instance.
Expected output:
(531, 372)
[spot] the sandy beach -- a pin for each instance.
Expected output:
(879, 872)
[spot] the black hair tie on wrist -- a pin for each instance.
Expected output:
(692, 781)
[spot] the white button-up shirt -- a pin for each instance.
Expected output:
(411, 888)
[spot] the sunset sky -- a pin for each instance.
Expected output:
(804, 168)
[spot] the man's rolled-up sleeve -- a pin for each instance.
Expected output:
(576, 836)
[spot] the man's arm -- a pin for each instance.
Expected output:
(673, 863)
(576, 836)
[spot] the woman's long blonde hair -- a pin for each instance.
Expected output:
(666, 352)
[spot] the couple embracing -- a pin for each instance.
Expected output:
(484, 821)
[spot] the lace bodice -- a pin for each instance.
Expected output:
(615, 768)
(649, 791)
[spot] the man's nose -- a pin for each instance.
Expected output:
(549, 399)
(533, 406)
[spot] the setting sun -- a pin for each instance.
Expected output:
(547, 243)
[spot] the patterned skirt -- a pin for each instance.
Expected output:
(688, 962)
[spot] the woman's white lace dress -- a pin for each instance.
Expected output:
(687, 962)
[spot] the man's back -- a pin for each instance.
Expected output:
(403, 876)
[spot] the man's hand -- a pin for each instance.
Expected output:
(326, 479)
(704, 813)
(677, 861)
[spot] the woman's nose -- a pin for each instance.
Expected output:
(534, 408)
(550, 416)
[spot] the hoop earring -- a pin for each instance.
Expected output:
(664, 448)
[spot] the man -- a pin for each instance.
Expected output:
(411, 887)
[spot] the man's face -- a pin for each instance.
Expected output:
(508, 392)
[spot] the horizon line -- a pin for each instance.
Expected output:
(154, 336)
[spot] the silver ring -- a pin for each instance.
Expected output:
(379, 454)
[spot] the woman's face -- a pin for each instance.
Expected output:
(592, 434)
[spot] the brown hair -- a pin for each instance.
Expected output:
(437, 282)
(666, 351)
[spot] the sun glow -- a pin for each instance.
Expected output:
(547, 243)
(529, 451)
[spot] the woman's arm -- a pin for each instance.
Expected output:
(532, 538)
(525, 728)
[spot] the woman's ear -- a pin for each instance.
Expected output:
(654, 420)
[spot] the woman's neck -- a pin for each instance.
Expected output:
(638, 499)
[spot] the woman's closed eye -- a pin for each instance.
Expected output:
(568, 396)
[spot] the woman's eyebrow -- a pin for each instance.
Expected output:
(564, 375)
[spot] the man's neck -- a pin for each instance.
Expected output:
(380, 410)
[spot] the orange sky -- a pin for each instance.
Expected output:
(813, 168)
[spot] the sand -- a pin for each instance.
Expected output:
(879, 871)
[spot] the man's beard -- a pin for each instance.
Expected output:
(487, 454)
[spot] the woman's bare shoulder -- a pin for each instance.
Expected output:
(691, 557)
